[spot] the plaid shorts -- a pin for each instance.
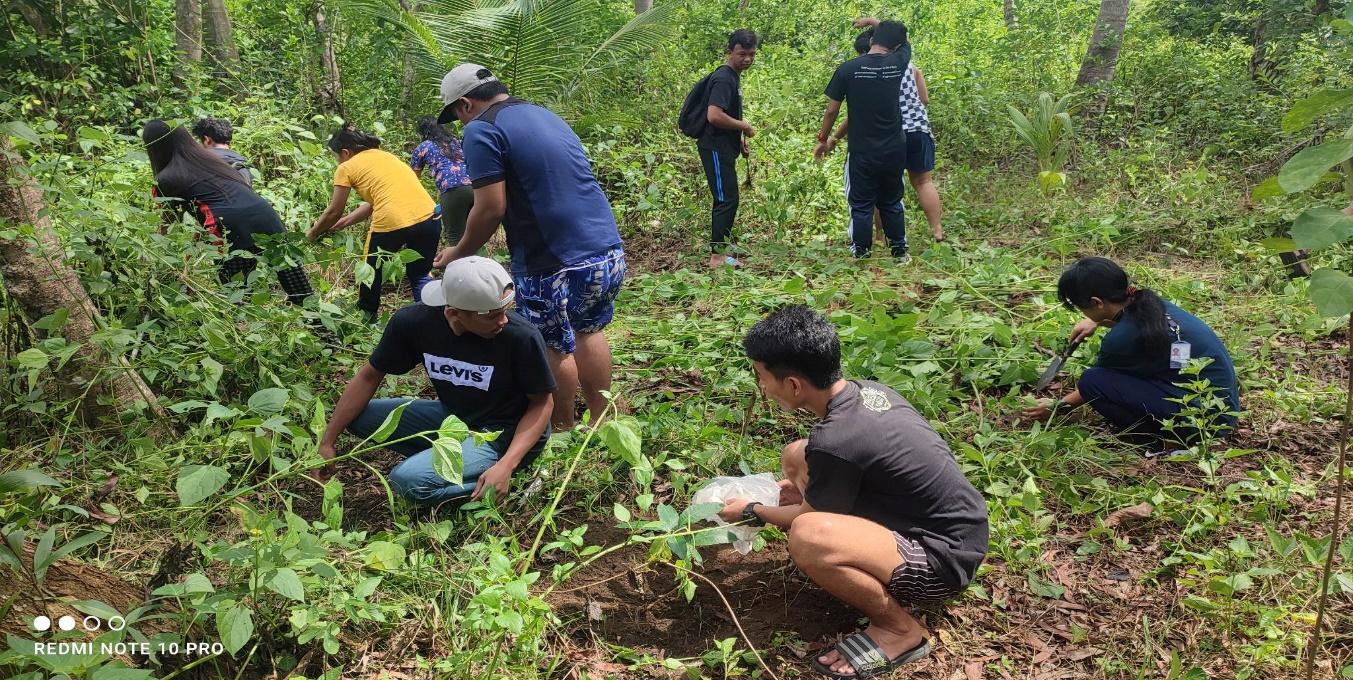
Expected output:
(579, 298)
(914, 581)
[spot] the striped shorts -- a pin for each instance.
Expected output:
(914, 581)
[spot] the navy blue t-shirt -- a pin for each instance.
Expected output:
(557, 214)
(1121, 351)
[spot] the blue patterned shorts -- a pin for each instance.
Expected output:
(579, 298)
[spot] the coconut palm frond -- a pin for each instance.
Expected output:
(540, 48)
(640, 34)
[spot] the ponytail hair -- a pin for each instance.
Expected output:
(430, 131)
(1099, 277)
(351, 139)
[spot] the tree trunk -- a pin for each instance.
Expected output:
(187, 34)
(641, 6)
(410, 77)
(1101, 56)
(329, 99)
(36, 276)
(1011, 19)
(34, 16)
(220, 38)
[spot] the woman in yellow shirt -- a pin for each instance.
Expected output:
(400, 209)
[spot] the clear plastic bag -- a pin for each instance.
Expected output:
(760, 488)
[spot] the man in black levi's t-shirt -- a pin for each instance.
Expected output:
(872, 491)
(488, 367)
(869, 85)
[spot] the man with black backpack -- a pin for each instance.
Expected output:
(712, 114)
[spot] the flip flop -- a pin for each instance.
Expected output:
(867, 658)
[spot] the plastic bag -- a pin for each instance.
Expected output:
(760, 488)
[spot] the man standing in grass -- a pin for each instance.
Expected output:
(488, 368)
(877, 510)
(530, 173)
(215, 134)
(724, 139)
(870, 85)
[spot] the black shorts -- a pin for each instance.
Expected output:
(914, 581)
(920, 152)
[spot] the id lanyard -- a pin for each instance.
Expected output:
(1180, 351)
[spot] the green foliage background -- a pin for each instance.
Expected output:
(1161, 180)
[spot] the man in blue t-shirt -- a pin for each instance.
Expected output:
(530, 173)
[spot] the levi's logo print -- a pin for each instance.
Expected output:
(457, 372)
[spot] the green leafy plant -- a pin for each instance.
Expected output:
(1049, 133)
(542, 50)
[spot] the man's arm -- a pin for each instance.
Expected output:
(779, 515)
(828, 119)
(355, 397)
(490, 204)
(720, 119)
(529, 428)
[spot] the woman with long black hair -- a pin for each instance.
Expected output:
(441, 153)
(219, 199)
(400, 209)
(1135, 382)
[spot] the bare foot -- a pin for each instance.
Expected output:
(938, 234)
(892, 644)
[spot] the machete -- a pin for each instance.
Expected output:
(1056, 365)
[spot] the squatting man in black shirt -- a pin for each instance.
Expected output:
(877, 510)
(487, 365)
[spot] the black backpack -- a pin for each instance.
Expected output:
(694, 117)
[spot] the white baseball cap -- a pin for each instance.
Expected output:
(474, 284)
(457, 83)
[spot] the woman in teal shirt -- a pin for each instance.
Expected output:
(1136, 375)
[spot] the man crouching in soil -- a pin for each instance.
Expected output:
(877, 510)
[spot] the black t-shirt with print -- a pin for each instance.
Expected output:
(869, 85)
(875, 457)
(484, 382)
(724, 91)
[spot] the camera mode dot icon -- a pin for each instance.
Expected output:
(42, 623)
(66, 623)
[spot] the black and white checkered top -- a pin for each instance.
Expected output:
(914, 116)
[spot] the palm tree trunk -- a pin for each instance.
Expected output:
(36, 276)
(1101, 56)
(220, 38)
(410, 78)
(329, 92)
(641, 6)
(1011, 19)
(187, 32)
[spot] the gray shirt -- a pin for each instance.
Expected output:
(874, 456)
(234, 160)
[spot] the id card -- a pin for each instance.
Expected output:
(1179, 354)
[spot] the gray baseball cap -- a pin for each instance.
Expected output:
(457, 83)
(474, 284)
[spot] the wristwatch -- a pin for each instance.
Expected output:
(749, 515)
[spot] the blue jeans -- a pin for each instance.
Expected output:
(413, 478)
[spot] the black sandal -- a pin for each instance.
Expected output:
(867, 658)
